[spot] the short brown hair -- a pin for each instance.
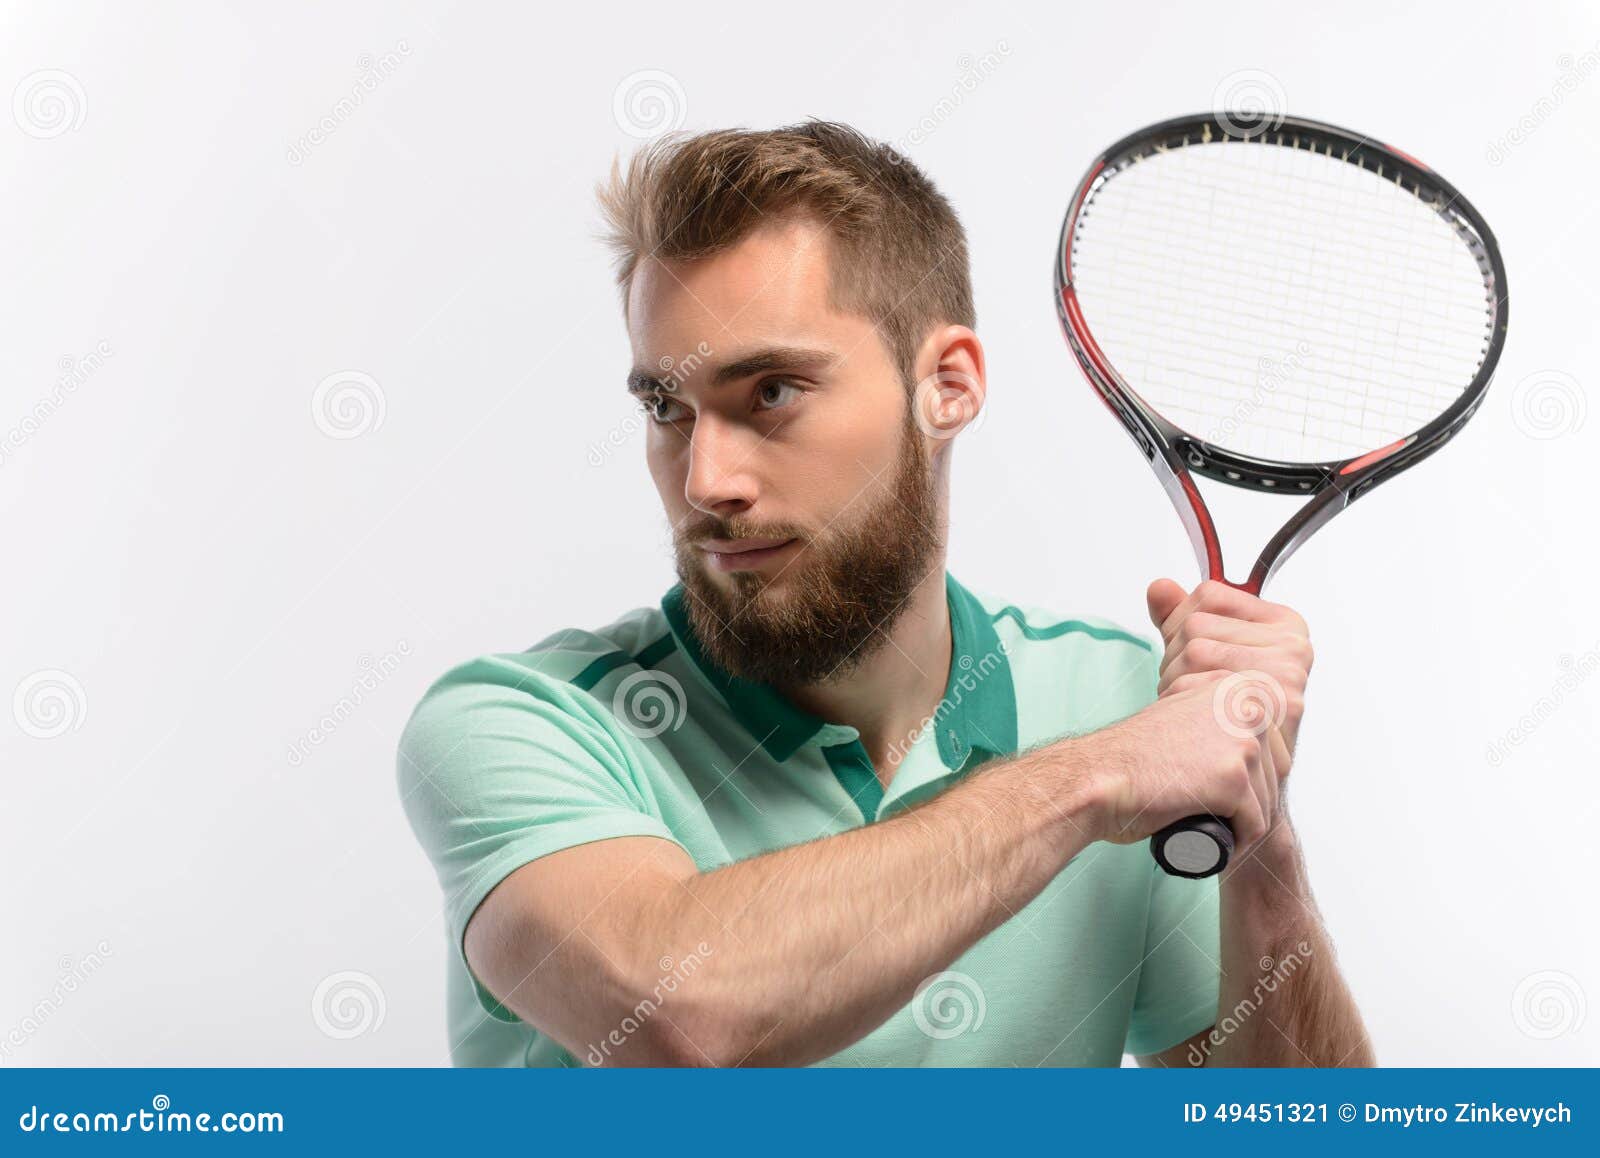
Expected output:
(900, 251)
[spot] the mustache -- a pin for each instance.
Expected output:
(715, 528)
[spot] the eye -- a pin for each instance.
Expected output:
(663, 409)
(777, 393)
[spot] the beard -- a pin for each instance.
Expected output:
(833, 606)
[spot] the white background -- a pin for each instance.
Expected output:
(213, 571)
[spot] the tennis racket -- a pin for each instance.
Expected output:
(1279, 305)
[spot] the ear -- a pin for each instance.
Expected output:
(951, 390)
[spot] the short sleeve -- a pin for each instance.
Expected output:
(1180, 978)
(499, 766)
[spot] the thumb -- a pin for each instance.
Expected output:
(1163, 598)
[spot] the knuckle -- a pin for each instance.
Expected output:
(1290, 618)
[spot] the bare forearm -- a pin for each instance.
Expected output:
(1284, 1001)
(816, 945)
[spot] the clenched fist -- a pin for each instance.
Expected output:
(1220, 737)
(1218, 628)
(1178, 757)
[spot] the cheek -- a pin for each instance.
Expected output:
(667, 472)
(833, 466)
(866, 450)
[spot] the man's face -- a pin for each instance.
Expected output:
(799, 492)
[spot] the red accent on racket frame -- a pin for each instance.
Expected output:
(1368, 459)
(1197, 504)
(1405, 156)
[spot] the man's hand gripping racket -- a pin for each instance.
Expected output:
(1282, 306)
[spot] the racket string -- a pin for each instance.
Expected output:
(1303, 306)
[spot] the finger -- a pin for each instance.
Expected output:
(1192, 681)
(1225, 599)
(1260, 772)
(1280, 761)
(1269, 774)
(1162, 598)
(1282, 756)
(1203, 655)
(1209, 625)
(1211, 596)
(1248, 822)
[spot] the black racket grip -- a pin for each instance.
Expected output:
(1194, 847)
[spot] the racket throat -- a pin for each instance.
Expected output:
(1196, 516)
(1197, 521)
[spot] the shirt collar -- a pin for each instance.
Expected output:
(976, 719)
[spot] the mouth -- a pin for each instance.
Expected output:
(728, 555)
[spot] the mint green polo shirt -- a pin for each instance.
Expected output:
(629, 730)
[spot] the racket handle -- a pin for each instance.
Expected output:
(1194, 847)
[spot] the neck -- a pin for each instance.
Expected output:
(888, 695)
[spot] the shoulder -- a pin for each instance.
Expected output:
(548, 687)
(1027, 626)
(1072, 671)
(575, 657)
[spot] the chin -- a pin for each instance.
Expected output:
(756, 586)
(752, 582)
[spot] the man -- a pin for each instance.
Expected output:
(824, 804)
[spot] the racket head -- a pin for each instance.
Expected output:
(1199, 250)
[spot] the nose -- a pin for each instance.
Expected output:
(720, 481)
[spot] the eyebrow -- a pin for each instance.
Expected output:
(789, 358)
